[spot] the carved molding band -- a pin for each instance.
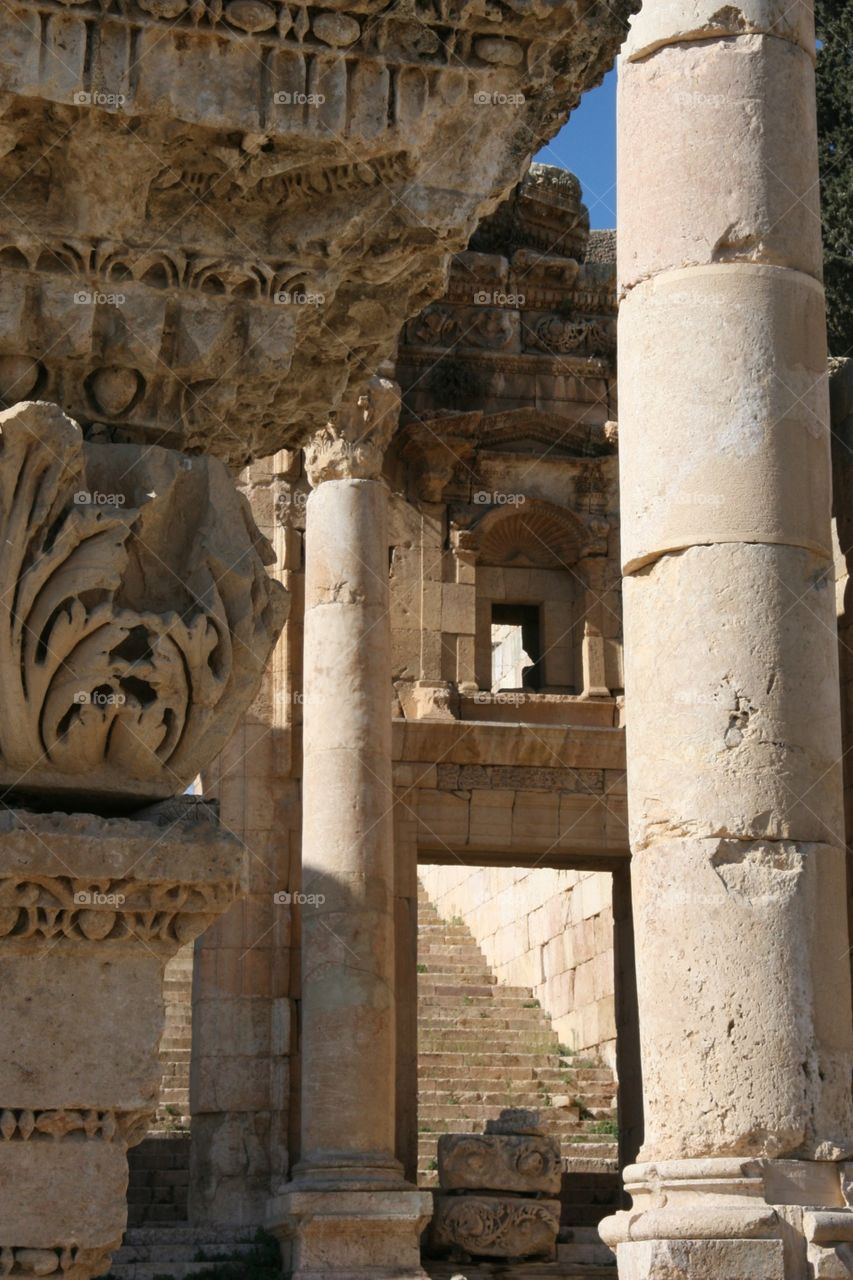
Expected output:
(27, 1125)
(107, 910)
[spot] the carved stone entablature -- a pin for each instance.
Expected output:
(545, 212)
(499, 1162)
(533, 533)
(351, 446)
(510, 329)
(438, 447)
(277, 188)
(496, 1226)
(113, 880)
(139, 616)
(558, 335)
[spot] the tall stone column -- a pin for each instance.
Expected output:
(732, 680)
(348, 1211)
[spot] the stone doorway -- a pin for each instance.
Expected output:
(517, 978)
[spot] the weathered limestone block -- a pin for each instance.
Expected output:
(730, 738)
(768, 1071)
(732, 1218)
(673, 21)
(494, 1162)
(91, 909)
(762, 203)
(143, 614)
(279, 187)
(738, 359)
(702, 1260)
(360, 1235)
(496, 1226)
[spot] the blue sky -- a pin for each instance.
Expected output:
(587, 146)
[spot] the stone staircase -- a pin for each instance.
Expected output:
(160, 1166)
(483, 1048)
(174, 1253)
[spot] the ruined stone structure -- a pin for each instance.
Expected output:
(293, 240)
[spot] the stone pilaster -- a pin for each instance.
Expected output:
(242, 1008)
(732, 680)
(348, 1211)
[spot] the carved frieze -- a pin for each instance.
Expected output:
(496, 1226)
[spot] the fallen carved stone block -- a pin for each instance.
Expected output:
(139, 616)
(499, 1162)
(496, 1226)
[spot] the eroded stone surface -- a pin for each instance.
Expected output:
(496, 1226)
(768, 1058)
(143, 616)
(738, 358)
(674, 21)
(762, 206)
(90, 911)
(258, 231)
(482, 1162)
(729, 737)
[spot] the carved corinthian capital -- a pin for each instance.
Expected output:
(352, 444)
(138, 616)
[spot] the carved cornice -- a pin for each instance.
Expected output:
(351, 446)
(321, 152)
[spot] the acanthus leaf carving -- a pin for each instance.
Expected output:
(97, 683)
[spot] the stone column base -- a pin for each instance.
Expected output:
(351, 1235)
(735, 1219)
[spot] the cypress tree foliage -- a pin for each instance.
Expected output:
(834, 20)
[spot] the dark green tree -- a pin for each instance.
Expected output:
(834, 20)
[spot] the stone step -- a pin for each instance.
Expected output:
(586, 1248)
(518, 1271)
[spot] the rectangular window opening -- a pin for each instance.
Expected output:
(516, 647)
